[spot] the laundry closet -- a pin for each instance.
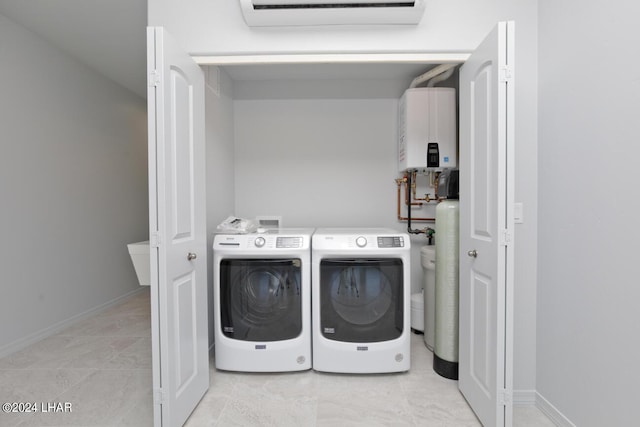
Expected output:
(312, 144)
(309, 139)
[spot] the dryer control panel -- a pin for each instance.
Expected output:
(360, 239)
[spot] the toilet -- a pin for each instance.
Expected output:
(428, 261)
(139, 253)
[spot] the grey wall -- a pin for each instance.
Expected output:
(588, 319)
(73, 183)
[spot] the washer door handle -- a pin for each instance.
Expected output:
(191, 256)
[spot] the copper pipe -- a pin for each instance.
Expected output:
(406, 193)
(402, 218)
(399, 183)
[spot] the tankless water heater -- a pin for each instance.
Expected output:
(427, 129)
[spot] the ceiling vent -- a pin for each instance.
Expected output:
(269, 13)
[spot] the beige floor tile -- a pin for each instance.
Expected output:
(102, 367)
(103, 398)
(35, 386)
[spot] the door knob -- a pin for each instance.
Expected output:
(191, 256)
(472, 253)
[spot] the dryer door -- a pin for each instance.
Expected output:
(260, 299)
(361, 300)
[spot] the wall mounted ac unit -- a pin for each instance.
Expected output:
(268, 13)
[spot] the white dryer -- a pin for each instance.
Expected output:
(361, 306)
(262, 301)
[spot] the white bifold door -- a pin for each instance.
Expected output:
(486, 227)
(178, 237)
(177, 230)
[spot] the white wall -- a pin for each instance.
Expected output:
(526, 188)
(220, 149)
(588, 293)
(317, 162)
(217, 28)
(73, 181)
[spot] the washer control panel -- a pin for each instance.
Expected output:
(289, 242)
(297, 239)
(391, 242)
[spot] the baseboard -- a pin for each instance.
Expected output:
(57, 327)
(524, 397)
(533, 398)
(552, 412)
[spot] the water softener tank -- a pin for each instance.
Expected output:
(445, 349)
(428, 258)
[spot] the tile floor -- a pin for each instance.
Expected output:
(102, 367)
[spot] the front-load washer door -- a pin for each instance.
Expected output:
(260, 299)
(361, 300)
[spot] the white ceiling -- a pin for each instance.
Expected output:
(110, 37)
(107, 35)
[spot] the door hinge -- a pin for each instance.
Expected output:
(154, 79)
(504, 397)
(155, 240)
(506, 74)
(158, 396)
(505, 237)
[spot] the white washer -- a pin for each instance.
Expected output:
(262, 301)
(361, 300)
